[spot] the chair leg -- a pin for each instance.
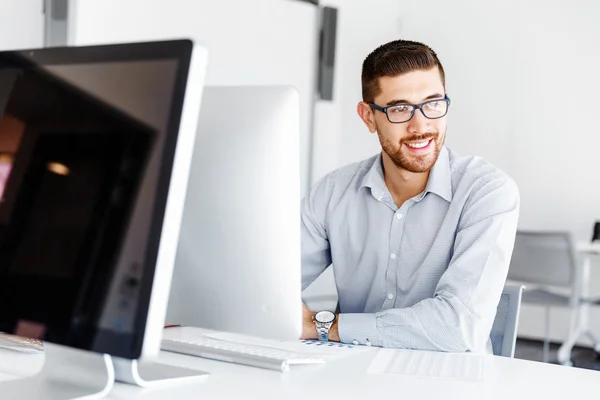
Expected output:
(564, 353)
(546, 353)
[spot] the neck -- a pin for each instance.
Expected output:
(401, 183)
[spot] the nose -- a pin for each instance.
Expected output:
(419, 123)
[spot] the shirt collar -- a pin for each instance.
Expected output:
(374, 180)
(439, 182)
(440, 178)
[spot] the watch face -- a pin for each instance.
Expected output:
(324, 316)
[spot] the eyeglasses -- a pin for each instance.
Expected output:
(399, 113)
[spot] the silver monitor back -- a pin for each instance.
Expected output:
(237, 266)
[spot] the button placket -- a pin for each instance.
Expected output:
(396, 232)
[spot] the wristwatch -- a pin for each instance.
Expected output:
(323, 321)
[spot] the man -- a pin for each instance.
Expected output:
(419, 238)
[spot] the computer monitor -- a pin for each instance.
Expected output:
(95, 149)
(237, 267)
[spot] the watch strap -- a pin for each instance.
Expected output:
(323, 330)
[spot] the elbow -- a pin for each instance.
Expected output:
(471, 334)
(465, 329)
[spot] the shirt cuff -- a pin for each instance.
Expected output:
(361, 328)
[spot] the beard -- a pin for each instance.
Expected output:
(413, 162)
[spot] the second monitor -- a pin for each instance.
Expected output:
(237, 266)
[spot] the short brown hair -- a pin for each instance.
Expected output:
(396, 58)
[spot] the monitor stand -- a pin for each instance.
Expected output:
(152, 374)
(70, 373)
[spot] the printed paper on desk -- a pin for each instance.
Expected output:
(462, 366)
(327, 350)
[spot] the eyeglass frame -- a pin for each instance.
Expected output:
(415, 108)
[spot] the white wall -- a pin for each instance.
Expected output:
(523, 77)
(21, 24)
(559, 138)
(258, 42)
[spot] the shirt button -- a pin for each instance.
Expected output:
(390, 296)
(399, 216)
(393, 256)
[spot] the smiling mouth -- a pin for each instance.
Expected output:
(419, 145)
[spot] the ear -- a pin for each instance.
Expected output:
(366, 114)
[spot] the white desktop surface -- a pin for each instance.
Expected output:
(346, 378)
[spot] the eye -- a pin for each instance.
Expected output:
(400, 109)
(435, 105)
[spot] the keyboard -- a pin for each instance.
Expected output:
(260, 356)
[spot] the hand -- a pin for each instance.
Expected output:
(309, 329)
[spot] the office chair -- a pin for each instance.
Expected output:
(547, 260)
(504, 329)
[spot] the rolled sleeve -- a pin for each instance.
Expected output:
(359, 327)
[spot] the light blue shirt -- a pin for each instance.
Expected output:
(427, 275)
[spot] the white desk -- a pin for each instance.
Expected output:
(346, 379)
(587, 250)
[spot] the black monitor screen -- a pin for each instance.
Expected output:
(87, 139)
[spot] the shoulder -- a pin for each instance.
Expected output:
(482, 189)
(349, 177)
(354, 171)
(474, 173)
(336, 188)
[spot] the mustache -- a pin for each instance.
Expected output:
(415, 138)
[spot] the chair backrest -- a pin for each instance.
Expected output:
(544, 258)
(504, 329)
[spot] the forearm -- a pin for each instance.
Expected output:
(440, 324)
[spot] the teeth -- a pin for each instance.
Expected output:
(418, 145)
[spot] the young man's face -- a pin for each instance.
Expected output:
(413, 145)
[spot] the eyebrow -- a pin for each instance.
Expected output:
(402, 101)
